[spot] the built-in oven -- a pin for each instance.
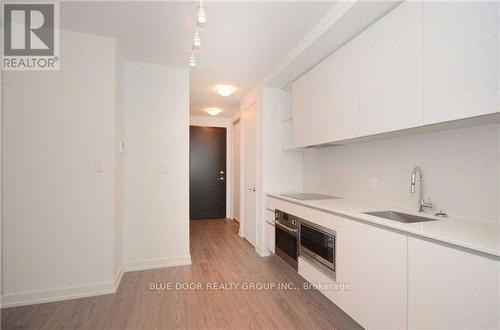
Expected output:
(286, 237)
(317, 244)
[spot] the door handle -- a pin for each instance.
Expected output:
(292, 231)
(251, 189)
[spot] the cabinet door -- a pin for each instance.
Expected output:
(391, 67)
(307, 94)
(269, 236)
(461, 59)
(325, 100)
(374, 262)
(450, 288)
(340, 102)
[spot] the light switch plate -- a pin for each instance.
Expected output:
(121, 147)
(373, 183)
(162, 169)
(98, 166)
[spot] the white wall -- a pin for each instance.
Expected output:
(227, 123)
(58, 215)
(1, 213)
(156, 215)
(210, 121)
(461, 171)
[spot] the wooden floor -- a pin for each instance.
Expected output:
(219, 255)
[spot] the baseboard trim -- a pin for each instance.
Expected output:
(89, 290)
(45, 296)
(157, 263)
(262, 253)
(118, 279)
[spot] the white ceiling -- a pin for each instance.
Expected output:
(241, 42)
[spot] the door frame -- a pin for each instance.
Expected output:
(253, 103)
(226, 123)
(236, 121)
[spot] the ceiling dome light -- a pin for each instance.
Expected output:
(197, 39)
(225, 90)
(213, 111)
(192, 60)
(202, 17)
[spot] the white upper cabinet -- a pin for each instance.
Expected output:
(325, 100)
(391, 67)
(461, 59)
(425, 62)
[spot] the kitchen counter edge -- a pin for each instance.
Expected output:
(486, 247)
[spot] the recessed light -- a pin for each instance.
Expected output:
(213, 111)
(225, 90)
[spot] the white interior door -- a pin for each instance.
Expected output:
(249, 157)
(236, 170)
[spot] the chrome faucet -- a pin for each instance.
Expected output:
(421, 202)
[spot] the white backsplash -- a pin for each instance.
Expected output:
(461, 171)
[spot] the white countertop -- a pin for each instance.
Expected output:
(475, 235)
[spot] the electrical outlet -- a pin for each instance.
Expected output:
(373, 183)
(121, 147)
(98, 166)
(162, 169)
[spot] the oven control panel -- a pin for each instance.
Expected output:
(286, 218)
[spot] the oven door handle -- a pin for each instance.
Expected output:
(286, 228)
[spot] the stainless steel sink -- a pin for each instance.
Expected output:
(400, 217)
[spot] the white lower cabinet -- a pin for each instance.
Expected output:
(450, 288)
(269, 230)
(373, 261)
(318, 279)
(270, 237)
(397, 281)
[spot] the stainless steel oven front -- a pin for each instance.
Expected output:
(318, 245)
(286, 238)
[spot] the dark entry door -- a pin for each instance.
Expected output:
(207, 178)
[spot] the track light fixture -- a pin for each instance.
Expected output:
(197, 38)
(201, 17)
(192, 60)
(201, 20)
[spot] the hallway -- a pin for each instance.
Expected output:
(219, 257)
